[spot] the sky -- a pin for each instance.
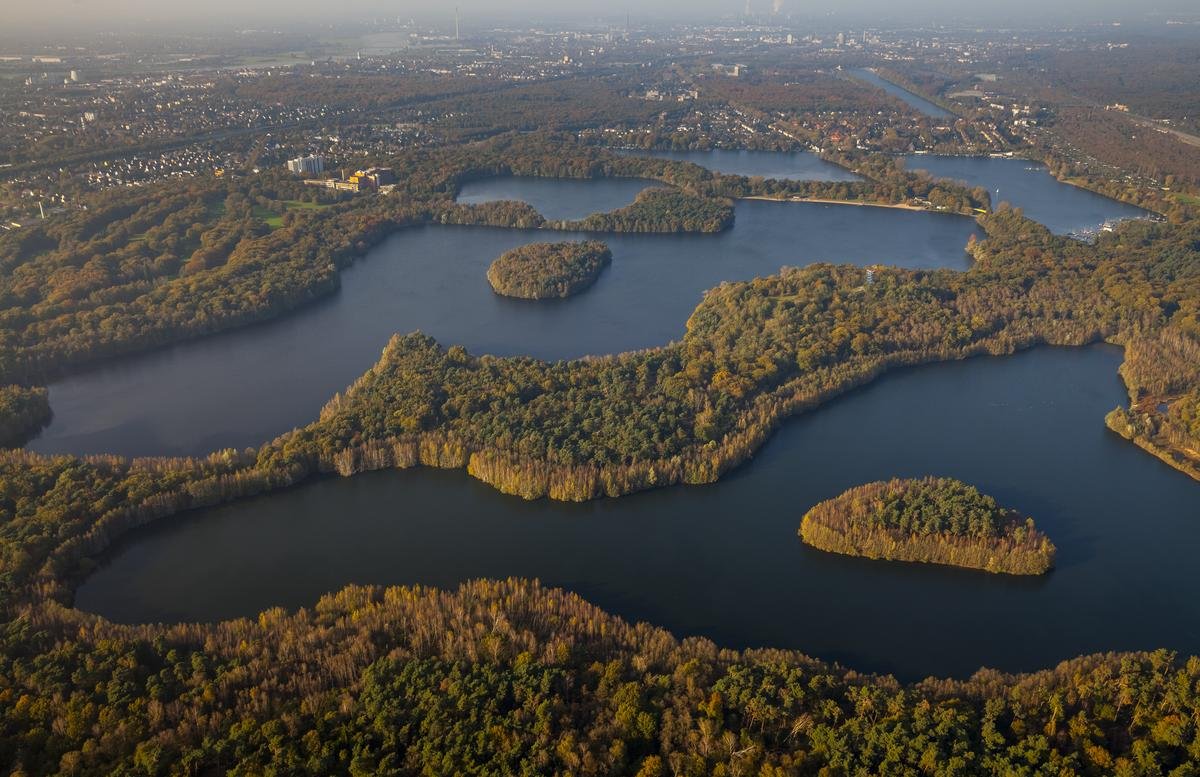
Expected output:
(113, 14)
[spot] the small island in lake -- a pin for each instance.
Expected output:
(547, 270)
(930, 520)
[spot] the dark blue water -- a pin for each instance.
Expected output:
(782, 166)
(247, 386)
(1029, 186)
(724, 560)
(914, 100)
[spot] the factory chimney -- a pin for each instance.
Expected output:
(456, 35)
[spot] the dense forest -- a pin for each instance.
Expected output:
(1155, 79)
(509, 678)
(932, 521)
(1162, 373)
(545, 270)
(23, 412)
(662, 210)
(801, 91)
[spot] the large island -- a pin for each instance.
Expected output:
(930, 520)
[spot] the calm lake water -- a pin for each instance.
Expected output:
(914, 100)
(1028, 185)
(782, 166)
(247, 386)
(724, 560)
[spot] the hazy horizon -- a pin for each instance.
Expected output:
(110, 15)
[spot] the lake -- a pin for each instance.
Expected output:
(1061, 207)
(245, 387)
(724, 560)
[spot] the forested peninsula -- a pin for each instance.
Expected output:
(932, 521)
(23, 413)
(547, 270)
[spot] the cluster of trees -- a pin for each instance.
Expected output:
(1161, 363)
(1184, 417)
(1162, 373)
(23, 413)
(545, 270)
(661, 210)
(929, 520)
(801, 91)
(147, 266)
(1171, 436)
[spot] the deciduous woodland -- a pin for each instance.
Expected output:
(932, 521)
(23, 412)
(509, 678)
(506, 677)
(545, 270)
(1162, 371)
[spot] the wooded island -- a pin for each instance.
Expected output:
(546, 270)
(929, 520)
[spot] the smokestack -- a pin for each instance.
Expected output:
(456, 35)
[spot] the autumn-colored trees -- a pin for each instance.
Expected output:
(545, 270)
(23, 412)
(507, 677)
(928, 520)
(662, 210)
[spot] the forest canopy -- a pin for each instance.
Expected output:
(929, 520)
(545, 270)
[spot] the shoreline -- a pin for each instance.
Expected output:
(823, 201)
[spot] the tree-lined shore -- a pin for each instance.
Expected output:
(931, 521)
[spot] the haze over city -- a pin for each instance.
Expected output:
(111, 15)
